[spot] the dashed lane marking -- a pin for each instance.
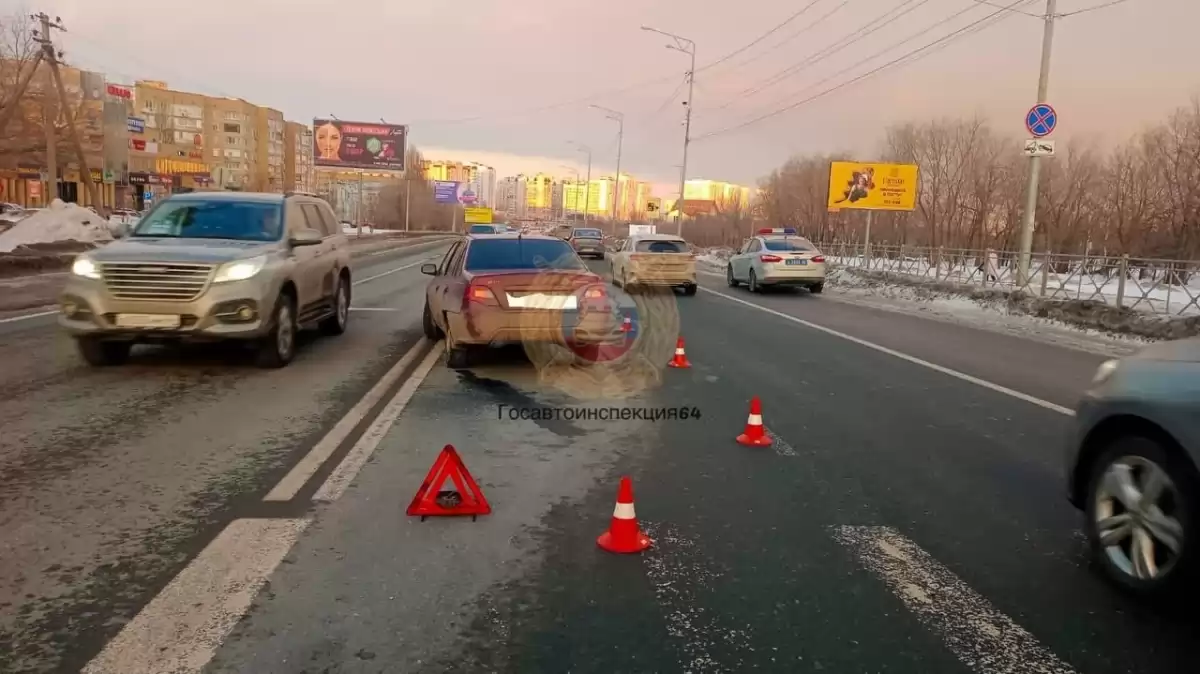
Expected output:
(393, 271)
(903, 356)
(181, 629)
(979, 635)
(25, 317)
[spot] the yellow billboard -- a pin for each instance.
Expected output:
(475, 215)
(872, 186)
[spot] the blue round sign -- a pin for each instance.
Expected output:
(1041, 120)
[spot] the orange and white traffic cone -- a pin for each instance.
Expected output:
(624, 535)
(680, 359)
(755, 434)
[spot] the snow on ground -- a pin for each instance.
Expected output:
(59, 222)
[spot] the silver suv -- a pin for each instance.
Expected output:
(211, 266)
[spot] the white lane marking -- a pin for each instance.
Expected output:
(374, 309)
(393, 271)
(782, 448)
(338, 481)
(291, 483)
(25, 317)
(181, 629)
(982, 637)
(903, 356)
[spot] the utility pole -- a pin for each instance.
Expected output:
(587, 189)
(682, 44)
(50, 115)
(51, 56)
(1029, 217)
(360, 201)
(407, 198)
(619, 118)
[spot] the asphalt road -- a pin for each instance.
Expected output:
(909, 517)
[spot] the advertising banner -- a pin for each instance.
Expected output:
(872, 186)
(360, 145)
(477, 215)
(135, 125)
(446, 191)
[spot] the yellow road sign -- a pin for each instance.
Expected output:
(872, 186)
(477, 215)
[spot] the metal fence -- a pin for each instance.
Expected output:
(1169, 287)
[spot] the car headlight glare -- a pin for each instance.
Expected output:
(240, 270)
(84, 267)
(1106, 370)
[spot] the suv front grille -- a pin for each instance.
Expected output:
(173, 282)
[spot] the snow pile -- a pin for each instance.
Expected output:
(59, 222)
(715, 257)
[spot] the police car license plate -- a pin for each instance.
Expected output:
(797, 261)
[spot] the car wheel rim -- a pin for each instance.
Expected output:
(729, 274)
(285, 333)
(343, 307)
(1136, 518)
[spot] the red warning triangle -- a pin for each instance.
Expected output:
(466, 499)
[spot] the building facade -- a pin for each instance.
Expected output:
(298, 158)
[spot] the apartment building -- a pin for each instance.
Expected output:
(463, 172)
(511, 196)
(724, 195)
(268, 174)
(483, 184)
(298, 158)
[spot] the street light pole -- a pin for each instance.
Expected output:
(682, 44)
(620, 119)
(1029, 217)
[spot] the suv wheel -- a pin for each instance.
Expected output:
(100, 353)
(1142, 516)
(432, 331)
(689, 289)
(336, 324)
(279, 346)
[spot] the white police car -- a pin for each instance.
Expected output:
(777, 257)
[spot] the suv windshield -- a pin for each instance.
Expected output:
(197, 219)
(798, 245)
(587, 234)
(521, 254)
(481, 229)
(661, 246)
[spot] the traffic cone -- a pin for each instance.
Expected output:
(624, 535)
(627, 324)
(754, 435)
(680, 359)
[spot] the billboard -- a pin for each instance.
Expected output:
(359, 145)
(446, 191)
(475, 215)
(872, 186)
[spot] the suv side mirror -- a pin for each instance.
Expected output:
(429, 269)
(306, 237)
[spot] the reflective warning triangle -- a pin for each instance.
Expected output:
(449, 466)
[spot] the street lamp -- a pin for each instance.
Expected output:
(682, 44)
(619, 118)
(587, 199)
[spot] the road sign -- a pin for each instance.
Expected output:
(1041, 120)
(147, 195)
(476, 215)
(1036, 147)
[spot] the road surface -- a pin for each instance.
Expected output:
(192, 515)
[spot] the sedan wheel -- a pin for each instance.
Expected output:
(729, 279)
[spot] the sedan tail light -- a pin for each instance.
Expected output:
(480, 294)
(770, 258)
(595, 293)
(818, 258)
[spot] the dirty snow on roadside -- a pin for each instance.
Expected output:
(60, 222)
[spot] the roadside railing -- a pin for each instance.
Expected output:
(1160, 286)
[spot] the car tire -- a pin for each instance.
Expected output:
(1181, 495)
(625, 282)
(336, 324)
(729, 279)
(612, 272)
(101, 353)
(752, 283)
(278, 348)
(690, 289)
(816, 288)
(432, 331)
(458, 357)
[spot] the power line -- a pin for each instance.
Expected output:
(1092, 9)
(916, 52)
(794, 35)
(1018, 11)
(760, 38)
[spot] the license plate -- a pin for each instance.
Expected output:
(541, 301)
(148, 321)
(797, 261)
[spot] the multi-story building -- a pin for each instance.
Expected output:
(595, 197)
(642, 198)
(724, 195)
(511, 196)
(483, 184)
(268, 175)
(234, 152)
(539, 193)
(170, 149)
(449, 170)
(298, 158)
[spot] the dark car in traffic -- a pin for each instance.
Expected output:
(1131, 467)
(500, 289)
(587, 241)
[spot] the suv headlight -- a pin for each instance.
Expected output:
(85, 267)
(1106, 370)
(240, 270)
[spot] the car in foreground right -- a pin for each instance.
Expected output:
(777, 257)
(1131, 467)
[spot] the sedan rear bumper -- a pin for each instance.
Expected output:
(552, 326)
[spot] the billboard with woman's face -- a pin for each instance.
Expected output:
(358, 144)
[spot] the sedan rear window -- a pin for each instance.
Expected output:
(481, 229)
(588, 234)
(661, 246)
(521, 254)
(797, 245)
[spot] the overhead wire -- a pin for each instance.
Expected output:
(1092, 9)
(760, 38)
(818, 21)
(919, 53)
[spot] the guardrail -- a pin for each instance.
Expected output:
(1152, 285)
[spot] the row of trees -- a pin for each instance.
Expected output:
(1141, 198)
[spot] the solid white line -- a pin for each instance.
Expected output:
(903, 356)
(374, 309)
(392, 271)
(25, 317)
(348, 469)
(982, 637)
(291, 483)
(181, 629)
